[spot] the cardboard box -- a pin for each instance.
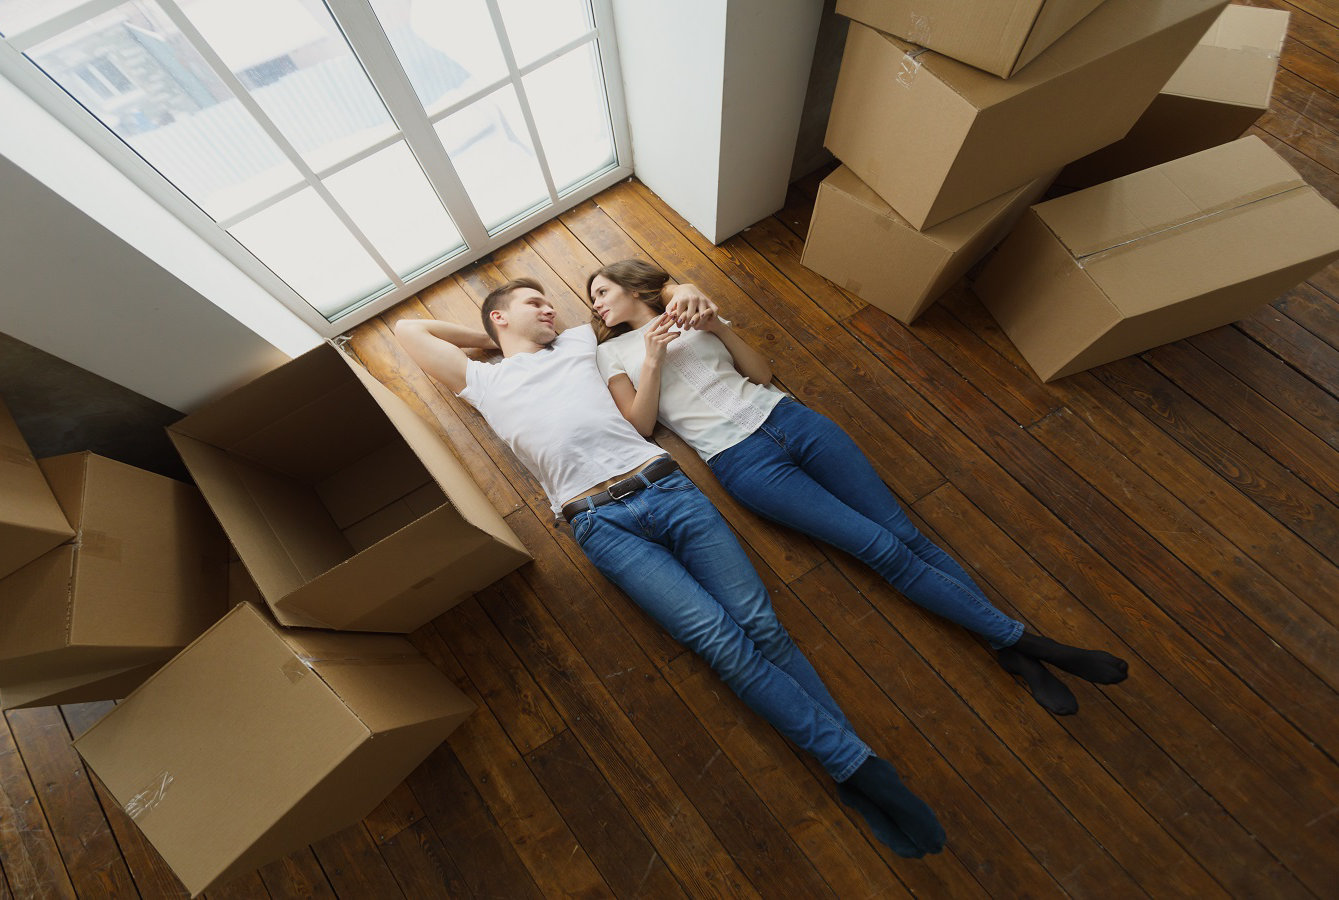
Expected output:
(31, 522)
(1156, 256)
(348, 510)
(998, 36)
(256, 741)
(934, 137)
(862, 244)
(145, 575)
(1219, 91)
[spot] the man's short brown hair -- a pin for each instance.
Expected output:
(500, 298)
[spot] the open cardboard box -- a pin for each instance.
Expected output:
(1219, 91)
(1156, 256)
(256, 741)
(348, 510)
(144, 576)
(934, 137)
(862, 244)
(997, 36)
(31, 522)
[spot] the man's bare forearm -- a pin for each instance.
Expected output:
(461, 335)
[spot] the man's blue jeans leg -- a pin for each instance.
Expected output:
(802, 470)
(670, 550)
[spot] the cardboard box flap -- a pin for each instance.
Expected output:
(164, 755)
(383, 679)
(58, 669)
(460, 488)
(1236, 60)
(385, 475)
(25, 497)
(1053, 20)
(387, 569)
(1168, 196)
(280, 529)
(85, 688)
(307, 419)
(1216, 252)
(64, 476)
(35, 604)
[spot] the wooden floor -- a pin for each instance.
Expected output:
(1180, 509)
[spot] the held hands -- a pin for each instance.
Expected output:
(657, 339)
(689, 308)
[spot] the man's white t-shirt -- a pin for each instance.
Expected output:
(556, 414)
(703, 398)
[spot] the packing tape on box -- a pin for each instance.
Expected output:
(297, 668)
(100, 544)
(911, 64)
(1264, 193)
(919, 32)
(151, 796)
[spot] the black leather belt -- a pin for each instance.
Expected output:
(657, 470)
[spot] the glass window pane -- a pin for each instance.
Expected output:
(133, 70)
(448, 50)
(567, 99)
(490, 147)
(390, 200)
(536, 27)
(300, 70)
(308, 247)
(20, 15)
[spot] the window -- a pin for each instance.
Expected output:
(343, 153)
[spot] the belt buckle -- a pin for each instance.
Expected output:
(632, 484)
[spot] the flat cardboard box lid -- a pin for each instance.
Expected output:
(1167, 196)
(1236, 60)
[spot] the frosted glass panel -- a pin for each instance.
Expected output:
(536, 27)
(490, 147)
(391, 201)
(448, 50)
(307, 246)
(567, 99)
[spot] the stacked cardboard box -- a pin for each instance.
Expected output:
(257, 740)
(346, 511)
(1217, 93)
(950, 149)
(142, 578)
(1156, 256)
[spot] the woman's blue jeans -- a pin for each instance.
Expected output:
(670, 550)
(802, 470)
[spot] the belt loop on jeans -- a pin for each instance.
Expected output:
(654, 471)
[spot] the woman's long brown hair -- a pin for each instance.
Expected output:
(641, 279)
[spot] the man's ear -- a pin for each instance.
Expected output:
(498, 317)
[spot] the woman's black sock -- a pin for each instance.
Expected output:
(1096, 666)
(897, 817)
(1047, 690)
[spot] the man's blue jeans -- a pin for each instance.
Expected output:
(802, 470)
(669, 550)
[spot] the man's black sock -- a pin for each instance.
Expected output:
(1047, 690)
(882, 826)
(1096, 666)
(897, 815)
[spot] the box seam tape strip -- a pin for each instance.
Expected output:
(911, 64)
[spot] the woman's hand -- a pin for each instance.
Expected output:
(690, 308)
(657, 339)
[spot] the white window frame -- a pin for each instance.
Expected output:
(373, 50)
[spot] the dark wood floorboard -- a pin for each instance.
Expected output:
(1179, 508)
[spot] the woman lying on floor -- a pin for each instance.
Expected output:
(795, 466)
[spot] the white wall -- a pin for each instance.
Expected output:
(714, 92)
(96, 273)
